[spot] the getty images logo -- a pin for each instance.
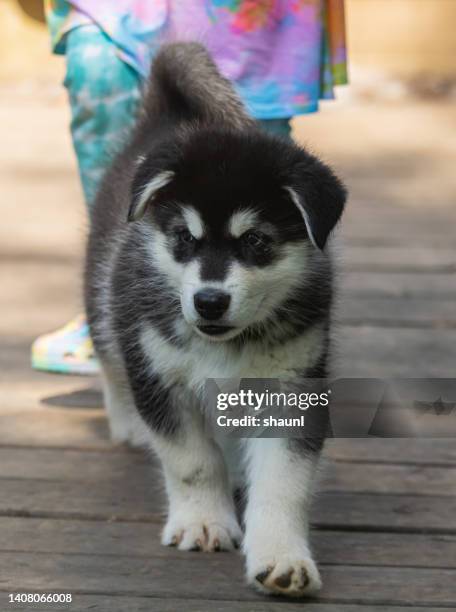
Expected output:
(271, 399)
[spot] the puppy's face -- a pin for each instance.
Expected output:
(229, 229)
(229, 275)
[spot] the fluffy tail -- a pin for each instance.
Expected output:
(185, 84)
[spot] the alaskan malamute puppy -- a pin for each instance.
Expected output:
(207, 259)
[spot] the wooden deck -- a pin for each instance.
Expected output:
(87, 521)
(80, 516)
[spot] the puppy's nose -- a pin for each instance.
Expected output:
(211, 304)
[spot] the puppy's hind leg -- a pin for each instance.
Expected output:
(124, 421)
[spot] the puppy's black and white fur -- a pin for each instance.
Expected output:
(207, 259)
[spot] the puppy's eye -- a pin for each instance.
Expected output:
(185, 236)
(254, 240)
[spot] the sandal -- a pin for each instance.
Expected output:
(69, 350)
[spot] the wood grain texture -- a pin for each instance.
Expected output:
(410, 258)
(400, 312)
(141, 501)
(139, 467)
(143, 540)
(376, 450)
(127, 603)
(216, 577)
(373, 352)
(427, 285)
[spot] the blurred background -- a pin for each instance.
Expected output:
(391, 135)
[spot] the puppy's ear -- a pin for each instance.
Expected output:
(320, 197)
(147, 182)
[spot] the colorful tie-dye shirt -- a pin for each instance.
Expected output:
(283, 55)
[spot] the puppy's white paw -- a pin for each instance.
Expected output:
(208, 533)
(128, 431)
(292, 575)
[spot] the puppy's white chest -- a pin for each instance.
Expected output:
(193, 364)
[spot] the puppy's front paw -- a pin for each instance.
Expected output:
(205, 533)
(289, 575)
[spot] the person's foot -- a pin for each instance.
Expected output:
(68, 350)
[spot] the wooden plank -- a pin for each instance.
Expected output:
(121, 465)
(58, 429)
(409, 258)
(390, 479)
(372, 221)
(421, 452)
(396, 353)
(216, 577)
(396, 312)
(377, 224)
(427, 285)
(370, 512)
(127, 499)
(388, 549)
(39, 426)
(143, 540)
(128, 603)
(143, 501)
(416, 452)
(139, 468)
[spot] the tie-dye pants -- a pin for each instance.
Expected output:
(104, 94)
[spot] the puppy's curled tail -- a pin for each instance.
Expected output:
(185, 83)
